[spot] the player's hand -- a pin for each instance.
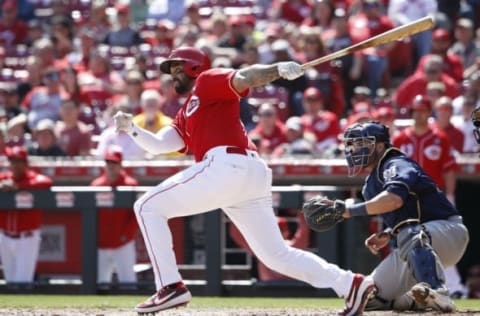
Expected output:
(290, 70)
(376, 242)
(123, 122)
(8, 185)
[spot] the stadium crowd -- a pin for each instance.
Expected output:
(67, 66)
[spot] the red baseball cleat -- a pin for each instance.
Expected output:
(362, 290)
(170, 296)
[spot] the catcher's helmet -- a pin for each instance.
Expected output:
(196, 61)
(359, 140)
(476, 122)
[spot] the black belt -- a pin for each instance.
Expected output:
(236, 150)
(19, 235)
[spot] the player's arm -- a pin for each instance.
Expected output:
(166, 140)
(259, 75)
(383, 202)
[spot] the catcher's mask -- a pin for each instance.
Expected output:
(360, 140)
(476, 123)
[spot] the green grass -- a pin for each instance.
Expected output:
(122, 301)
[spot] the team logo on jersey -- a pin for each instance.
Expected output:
(192, 105)
(390, 173)
(433, 152)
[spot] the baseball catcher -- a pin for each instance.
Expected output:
(425, 228)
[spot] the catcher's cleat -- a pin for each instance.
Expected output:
(437, 299)
(362, 290)
(170, 296)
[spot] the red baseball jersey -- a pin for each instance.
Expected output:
(432, 151)
(323, 126)
(268, 143)
(16, 221)
(210, 116)
(116, 226)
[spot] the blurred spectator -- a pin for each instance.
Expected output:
(20, 228)
(291, 10)
(117, 227)
(123, 35)
(472, 281)
(298, 239)
(218, 27)
(371, 21)
(44, 101)
(61, 36)
(417, 83)
(386, 116)
(452, 64)
(74, 137)
(164, 34)
(34, 32)
(319, 121)
(80, 58)
(3, 139)
(45, 140)
(173, 10)
(429, 147)
(130, 150)
(170, 99)
(13, 31)
(44, 51)
(284, 52)
(272, 32)
(321, 15)
(17, 131)
(9, 99)
(443, 114)
(187, 35)
(464, 123)
(339, 39)
(99, 82)
(98, 20)
(465, 45)
(362, 94)
(323, 76)
(270, 131)
(133, 91)
(405, 11)
(435, 90)
(297, 142)
(234, 37)
(34, 78)
(192, 14)
(151, 117)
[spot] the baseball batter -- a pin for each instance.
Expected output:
(228, 174)
(427, 230)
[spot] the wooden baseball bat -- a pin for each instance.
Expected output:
(397, 33)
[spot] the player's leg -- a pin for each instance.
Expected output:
(8, 257)
(27, 249)
(203, 187)
(104, 266)
(124, 258)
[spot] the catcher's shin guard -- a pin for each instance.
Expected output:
(414, 245)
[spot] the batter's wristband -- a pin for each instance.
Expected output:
(358, 209)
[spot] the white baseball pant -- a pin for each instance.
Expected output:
(19, 256)
(241, 186)
(120, 260)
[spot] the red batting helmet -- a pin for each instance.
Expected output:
(196, 61)
(421, 103)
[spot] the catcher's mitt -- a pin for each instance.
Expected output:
(322, 216)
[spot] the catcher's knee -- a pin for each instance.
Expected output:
(415, 249)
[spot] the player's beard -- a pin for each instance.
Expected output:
(183, 86)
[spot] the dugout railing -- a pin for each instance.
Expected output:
(87, 200)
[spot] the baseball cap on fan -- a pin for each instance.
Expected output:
(16, 153)
(294, 123)
(113, 153)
